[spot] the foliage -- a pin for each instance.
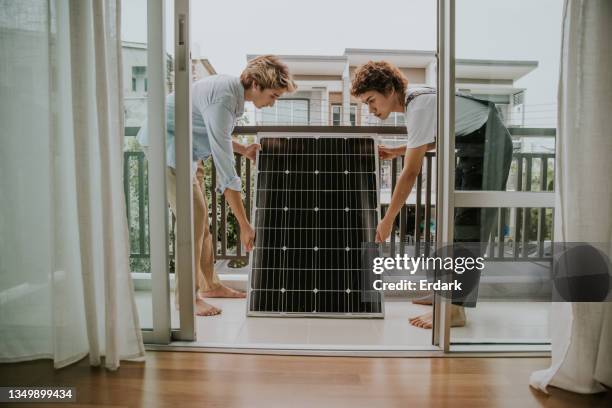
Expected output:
(139, 259)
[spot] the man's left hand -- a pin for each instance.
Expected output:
(383, 230)
(250, 152)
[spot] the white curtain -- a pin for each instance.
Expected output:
(65, 286)
(582, 332)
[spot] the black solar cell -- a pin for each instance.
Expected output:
(316, 204)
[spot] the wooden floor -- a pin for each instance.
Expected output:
(175, 379)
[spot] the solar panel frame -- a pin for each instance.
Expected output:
(292, 135)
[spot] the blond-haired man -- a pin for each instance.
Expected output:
(217, 103)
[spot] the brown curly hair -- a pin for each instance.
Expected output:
(380, 76)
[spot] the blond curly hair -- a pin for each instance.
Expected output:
(267, 71)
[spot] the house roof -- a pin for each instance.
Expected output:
(509, 70)
(400, 58)
(133, 44)
(205, 64)
(493, 69)
(312, 64)
(140, 46)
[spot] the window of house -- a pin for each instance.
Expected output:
(139, 79)
(337, 114)
(518, 98)
(394, 119)
(287, 112)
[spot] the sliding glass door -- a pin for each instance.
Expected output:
(160, 243)
(496, 177)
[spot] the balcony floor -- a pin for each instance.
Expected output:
(498, 322)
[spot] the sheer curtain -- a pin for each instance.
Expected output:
(65, 286)
(582, 332)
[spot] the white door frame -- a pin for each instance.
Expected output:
(445, 154)
(162, 332)
(158, 209)
(184, 268)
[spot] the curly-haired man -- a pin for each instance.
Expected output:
(484, 152)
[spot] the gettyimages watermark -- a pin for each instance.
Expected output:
(467, 272)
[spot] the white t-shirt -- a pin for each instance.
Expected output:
(421, 119)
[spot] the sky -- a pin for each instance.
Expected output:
(226, 31)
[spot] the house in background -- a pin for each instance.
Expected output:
(135, 84)
(323, 96)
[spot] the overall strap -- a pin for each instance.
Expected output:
(421, 91)
(429, 91)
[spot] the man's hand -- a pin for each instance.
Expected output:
(250, 151)
(387, 153)
(383, 230)
(247, 233)
(247, 236)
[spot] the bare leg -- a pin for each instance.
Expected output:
(208, 282)
(203, 309)
(222, 291)
(206, 309)
(425, 320)
(426, 300)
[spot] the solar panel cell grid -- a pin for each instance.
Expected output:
(316, 203)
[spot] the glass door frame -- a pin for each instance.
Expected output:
(161, 332)
(446, 201)
(447, 198)
(184, 268)
(156, 124)
(445, 154)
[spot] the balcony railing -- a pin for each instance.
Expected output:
(414, 224)
(516, 236)
(137, 208)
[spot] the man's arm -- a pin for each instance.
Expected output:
(247, 233)
(403, 187)
(250, 151)
(420, 126)
(219, 122)
(238, 147)
(389, 153)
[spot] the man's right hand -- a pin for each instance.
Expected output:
(247, 236)
(387, 153)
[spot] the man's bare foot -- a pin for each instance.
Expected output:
(426, 300)
(425, 320)
(203, 309)
(223, 292)
(206, 309)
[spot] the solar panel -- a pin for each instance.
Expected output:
(315, 207)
